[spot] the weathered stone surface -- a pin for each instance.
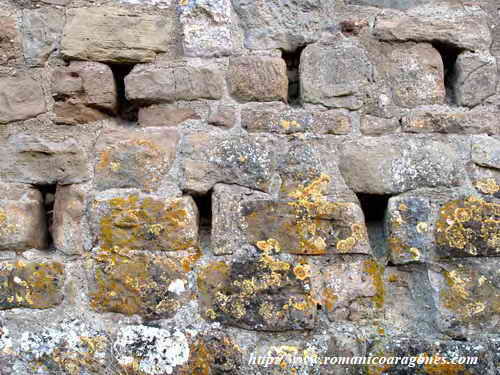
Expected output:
(486, 151)
(410, 229)
(166, 115)
(149, 350)
(69, 345)
(151, 84)
(223, 116)
(21, 97)
(211, 156)
(446, 121)
(416, 74)
(42, 160)
(282, 120)
(286, 25)
(335, 74)
(10, 41)
(475, 78)
(349, 288)
(396, 4)
(127, 282)
(261, 293)
(206, 28)
(115, 35)
(468, 227)
(41, 34)
(84, 92)
(31, 284)
(374, 126)
(423, 349)
(22, 218)
(385, 165)
(134, 158)
(70, 228)
(256, 78)
(145, 222)
(462, 27)
(466, 295)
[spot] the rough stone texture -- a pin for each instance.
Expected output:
(335, 74)
(84, 92)
(31, 285)
(21, 97)
(191, 184)
(22, 218)
(261, 79)
(145, 222)
(134, 159)
(150, 84)
(115, 35)
(42, 31)
(389, 164)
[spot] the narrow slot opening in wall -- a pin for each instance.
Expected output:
(449, 54)
(126, 110)
(49, 197)
(204, 204)
(292, 60)
(374, 208)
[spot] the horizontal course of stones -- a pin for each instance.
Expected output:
(186, 183)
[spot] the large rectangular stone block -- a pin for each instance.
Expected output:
(21, 97)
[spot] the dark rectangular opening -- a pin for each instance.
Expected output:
(49, 197)
(126, 110)
(292, 60)
(204, 204)
(449, 54)
(374, 208)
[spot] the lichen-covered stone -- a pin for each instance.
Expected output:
(349, 288)
(389, 164)
(141, 221)
(159, 84)
(117, 35)
(21, 97)
(282, 120)
(261, 293)
(143, 350)
(259, 79)
(34, 285)
(134, 158)
(467, 296)
(131, 282)
(335, 74)
(410, 228)
(211, 156)
(446, 121)
(22, 218)
(468, 227)
(486, 152)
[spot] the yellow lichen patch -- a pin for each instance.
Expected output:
(470, 226)
(270, 245)
(373, 269)
(422, 227)
(438, 367)
(488, 186)
(329, 299)
(149, 223)
(302, 272)
(85, 358)
(31, 285)
(287, 124)
(133, 283)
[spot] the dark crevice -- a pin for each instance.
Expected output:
(204, 204)
(374, 209)
(49, 196)
(292, 60)
(126, 110)
(449, 54)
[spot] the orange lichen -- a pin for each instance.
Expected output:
(373, 269)
(488, 186)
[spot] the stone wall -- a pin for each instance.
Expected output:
(187, 183)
